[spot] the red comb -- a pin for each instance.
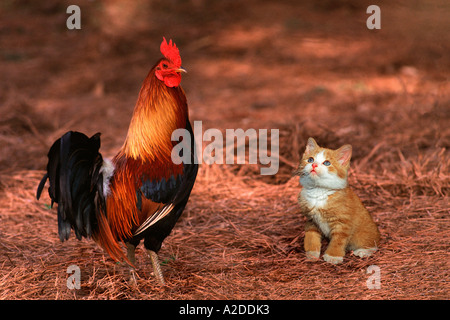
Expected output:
(171, 52)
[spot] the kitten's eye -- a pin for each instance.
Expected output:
(310, 160)
(327, 163)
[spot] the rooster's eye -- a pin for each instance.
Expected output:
(165, 66)
(310, 159)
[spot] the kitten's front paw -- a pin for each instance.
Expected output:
(333, 260)
(312, 255)
(362, 253)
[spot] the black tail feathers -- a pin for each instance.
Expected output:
(76, 183)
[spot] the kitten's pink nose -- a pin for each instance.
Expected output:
(314, 165)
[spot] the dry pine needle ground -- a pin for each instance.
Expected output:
(235, 241)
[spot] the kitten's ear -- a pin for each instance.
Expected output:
(311, 145)
(344, 154)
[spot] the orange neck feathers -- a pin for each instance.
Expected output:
(158, 112)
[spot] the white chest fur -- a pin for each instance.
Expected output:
(321, 223)
(316, 197)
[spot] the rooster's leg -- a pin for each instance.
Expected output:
(130, 253)
(132, 258)
(156, 266)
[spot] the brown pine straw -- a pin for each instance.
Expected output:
(239, 239)
(241, 235)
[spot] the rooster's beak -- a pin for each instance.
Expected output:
(180, 70)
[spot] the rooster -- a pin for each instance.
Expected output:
(141, 193)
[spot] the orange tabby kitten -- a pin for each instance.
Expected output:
(332, 209)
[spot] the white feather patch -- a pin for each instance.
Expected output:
(107, 170)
